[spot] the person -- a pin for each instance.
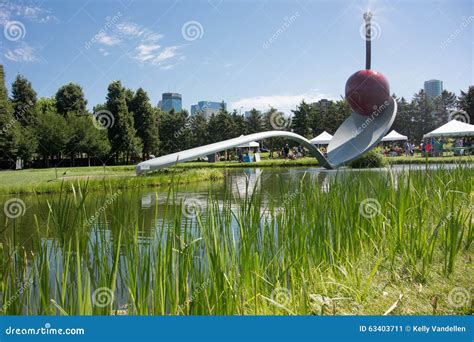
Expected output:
(428, 148)
(286, 151)
(239, 155)
(407, 148)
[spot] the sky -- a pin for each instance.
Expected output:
(246, 53)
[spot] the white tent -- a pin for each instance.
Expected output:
(394, 136)
(453, 128)
(322, 139)
(250, 144)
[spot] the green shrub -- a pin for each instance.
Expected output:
(369, 159)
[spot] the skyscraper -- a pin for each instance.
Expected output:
(207, 108)
(433, 88)
(171, 101)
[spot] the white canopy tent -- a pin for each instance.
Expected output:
(394, 136)
(453, 128)
(322, 139)
(249, 144)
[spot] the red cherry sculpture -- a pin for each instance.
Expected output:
(367, 91)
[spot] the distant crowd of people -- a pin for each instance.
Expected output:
(430, 147)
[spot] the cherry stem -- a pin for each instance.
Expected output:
(367, 17)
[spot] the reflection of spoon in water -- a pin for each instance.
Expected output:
(368, 94)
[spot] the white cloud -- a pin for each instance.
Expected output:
(167, 53)
(284, 103)
(23, 53)
(104, 38)
(9, 10)
(146, 52)
(104, 52)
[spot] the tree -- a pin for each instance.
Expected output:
(239, 123)
(254, 122)
(122, 133)
(8, 135)
(198, 128)
(53, 135)
(301, 123)
(466, 103)
(70, 98)
(146, 122)
(422, 114)
(23, 101)
(443, 105)
(221, 127)
(174, 131)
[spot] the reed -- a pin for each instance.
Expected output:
(350, 246)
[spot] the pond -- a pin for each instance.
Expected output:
(155, 248)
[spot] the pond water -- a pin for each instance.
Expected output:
(149, 209)
(150, 204)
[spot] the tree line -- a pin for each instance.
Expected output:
(60, 131)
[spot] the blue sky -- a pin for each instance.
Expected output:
(247, 53)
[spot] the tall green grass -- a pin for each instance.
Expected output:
(348, 246)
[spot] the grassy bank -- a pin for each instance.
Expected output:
(49, 180)
(119, 177)
(374, 241)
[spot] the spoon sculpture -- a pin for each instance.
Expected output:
(374, 110)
